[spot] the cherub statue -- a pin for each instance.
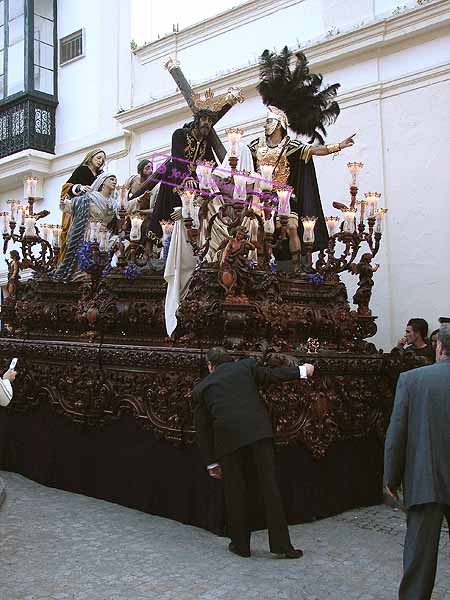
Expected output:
(365, 283)
(233, 256)
(14, 266)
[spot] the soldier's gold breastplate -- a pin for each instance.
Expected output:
(271, 156)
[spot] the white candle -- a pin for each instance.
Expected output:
(56, 235)
(379, 220)
(332, 223)
(103, 242)
(123, 191)
(136, 223)
(240, 186)
(349, 220)
(269, 225)
(234, 137)
(372, 199)
(5, 222)
(308, 228)
(31, 186)
(30, 230)
(44, 231)
(265, 183)
(187, 199)
(354, 168)
(284, 205)
(13, 211)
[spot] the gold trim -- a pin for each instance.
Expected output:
(333, 148)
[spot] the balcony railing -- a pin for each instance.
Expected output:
(27, 123)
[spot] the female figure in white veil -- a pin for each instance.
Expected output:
(98, 205)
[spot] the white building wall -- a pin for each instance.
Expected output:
(394, 66)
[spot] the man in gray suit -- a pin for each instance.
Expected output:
(417, 452)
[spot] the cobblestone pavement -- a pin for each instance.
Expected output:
(60, 546)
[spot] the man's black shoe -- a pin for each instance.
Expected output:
(292, 553)
(232, 548)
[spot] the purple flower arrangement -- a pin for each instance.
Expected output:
(316, 278)
(85, 259)
(132, 272)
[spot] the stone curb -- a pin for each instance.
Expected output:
(2, 491)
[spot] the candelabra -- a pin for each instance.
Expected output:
(19, 227)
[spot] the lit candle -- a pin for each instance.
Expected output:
(380, 219)
(349, 220)
(5, 221)
(23, 210)
(187, 199)
(240, 185)
(13, 210)
(372, 199)
(44, 231)
(31, 186)
(332, 223)
(30, 230)
(269, 225)
(284, 205)
(136, 223)
(56, 235)
(266, 171)
(362, 209)
(308, 229)
(194, 214)
(234, 137)
(354, 168)
(103, 242)
(123, 192)
(92, 231)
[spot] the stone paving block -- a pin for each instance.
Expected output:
(100, 551)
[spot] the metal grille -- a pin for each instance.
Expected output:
(70, 47)
(27, 124)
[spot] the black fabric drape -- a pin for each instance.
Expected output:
(126, 464)
(304, 181)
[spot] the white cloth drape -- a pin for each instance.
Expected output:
(180, 265)
(245, 163)
(6, 392)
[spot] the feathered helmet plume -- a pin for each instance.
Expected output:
(298, 93)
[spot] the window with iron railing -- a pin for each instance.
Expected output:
(28, 75)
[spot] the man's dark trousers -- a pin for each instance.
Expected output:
(421, 550)
(262, 457)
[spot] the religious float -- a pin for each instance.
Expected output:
(102, 402)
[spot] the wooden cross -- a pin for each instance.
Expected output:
(183, 85)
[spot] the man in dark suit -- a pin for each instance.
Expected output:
(417, 452)
(233, 425)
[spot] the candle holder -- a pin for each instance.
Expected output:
(234, 137)
(266, 171)
(354, 168)
(284, 200)
(362, 205)
(308, 240)
(372, 199)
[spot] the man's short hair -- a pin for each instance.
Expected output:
(217, 356)
(419, 326)
(444, 338)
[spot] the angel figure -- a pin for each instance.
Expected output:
(365, 283)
